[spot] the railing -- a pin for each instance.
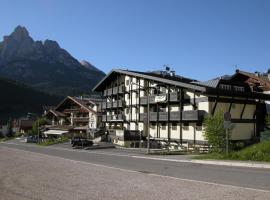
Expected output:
(174, 97)
(115, 90)
(105, 93)
(175, 115)
(121, 89)
(153, 116)
(193, 115)
(108, 118)
(110, 91)
(81, 119)
(104, 105)
(115, 104)
(163, 116)
(109, 104)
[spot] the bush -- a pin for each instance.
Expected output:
(48, 142)
(215, 132)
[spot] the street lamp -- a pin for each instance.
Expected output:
(29, 115)
(148, 117)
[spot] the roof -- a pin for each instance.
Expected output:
(82, 102)
(213, 83)
(172, 80)
(56, 113)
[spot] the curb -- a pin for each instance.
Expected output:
(212, 162)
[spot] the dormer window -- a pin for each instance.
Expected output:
(238, 89)
(225, 87)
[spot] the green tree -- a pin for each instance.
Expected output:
(37, 124)
(215, 132)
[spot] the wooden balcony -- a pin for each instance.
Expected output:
(174, 97)
(115, 104)
(109, 91)
(81, 119)
(175, 115)
(104, 118)
(104, 105)
(193, 115)
(121, 89)
(105, 93)
(109, 104)
(115, 90)
(163, 116)
(153, 116)
(143, 100)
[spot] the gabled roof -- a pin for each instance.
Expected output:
(83, 103)
(56, 113)
(171, 80)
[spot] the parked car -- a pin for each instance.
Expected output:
(80, 142)
(32, 139)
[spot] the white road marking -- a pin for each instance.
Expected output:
(149, 174)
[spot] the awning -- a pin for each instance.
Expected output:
(55, 132)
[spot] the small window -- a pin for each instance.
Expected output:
(163, 126)
(152, 125)
(127, 110)
(174, 126)
(127, 82)
(198, 126)
(186, 126)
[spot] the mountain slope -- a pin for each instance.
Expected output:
(17, 100)
(45, 65)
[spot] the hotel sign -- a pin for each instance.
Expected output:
(160, 98)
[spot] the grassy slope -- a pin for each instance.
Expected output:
(256, 152)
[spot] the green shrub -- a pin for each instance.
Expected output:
(215, 132)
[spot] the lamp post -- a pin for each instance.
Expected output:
(29, 115)
(148, 118)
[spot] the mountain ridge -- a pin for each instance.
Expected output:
(45, 65)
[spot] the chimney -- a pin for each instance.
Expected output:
(172, 73)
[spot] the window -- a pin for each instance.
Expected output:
(127, 110)
(174, 126)
(186, 126)
(198, 127)
(163, 126)
(153, 125)
(127, 82)
(238, 89)
(225, 87)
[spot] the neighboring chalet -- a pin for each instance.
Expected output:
(177, 105)
(76, 116)
(22, 125)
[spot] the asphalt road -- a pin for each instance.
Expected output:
(241, 177)
(27, 175)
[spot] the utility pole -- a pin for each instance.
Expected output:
(148, 119)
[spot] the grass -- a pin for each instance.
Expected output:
(256, 152)
(7, 138)
(53, 141)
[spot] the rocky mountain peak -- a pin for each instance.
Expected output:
(20, 33)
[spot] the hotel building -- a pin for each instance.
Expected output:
(177, 107)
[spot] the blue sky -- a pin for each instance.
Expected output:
(199, 39)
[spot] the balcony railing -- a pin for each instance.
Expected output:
(81, 119)
(104, 118)
(193, 115)
(109, 91)
(175, 115)
(115, 104)
(163, 116)
(109, 104)
(174, 97)
(121, 89)
(188, 115)
(108, 118)
(105, 93)
(104, 105)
